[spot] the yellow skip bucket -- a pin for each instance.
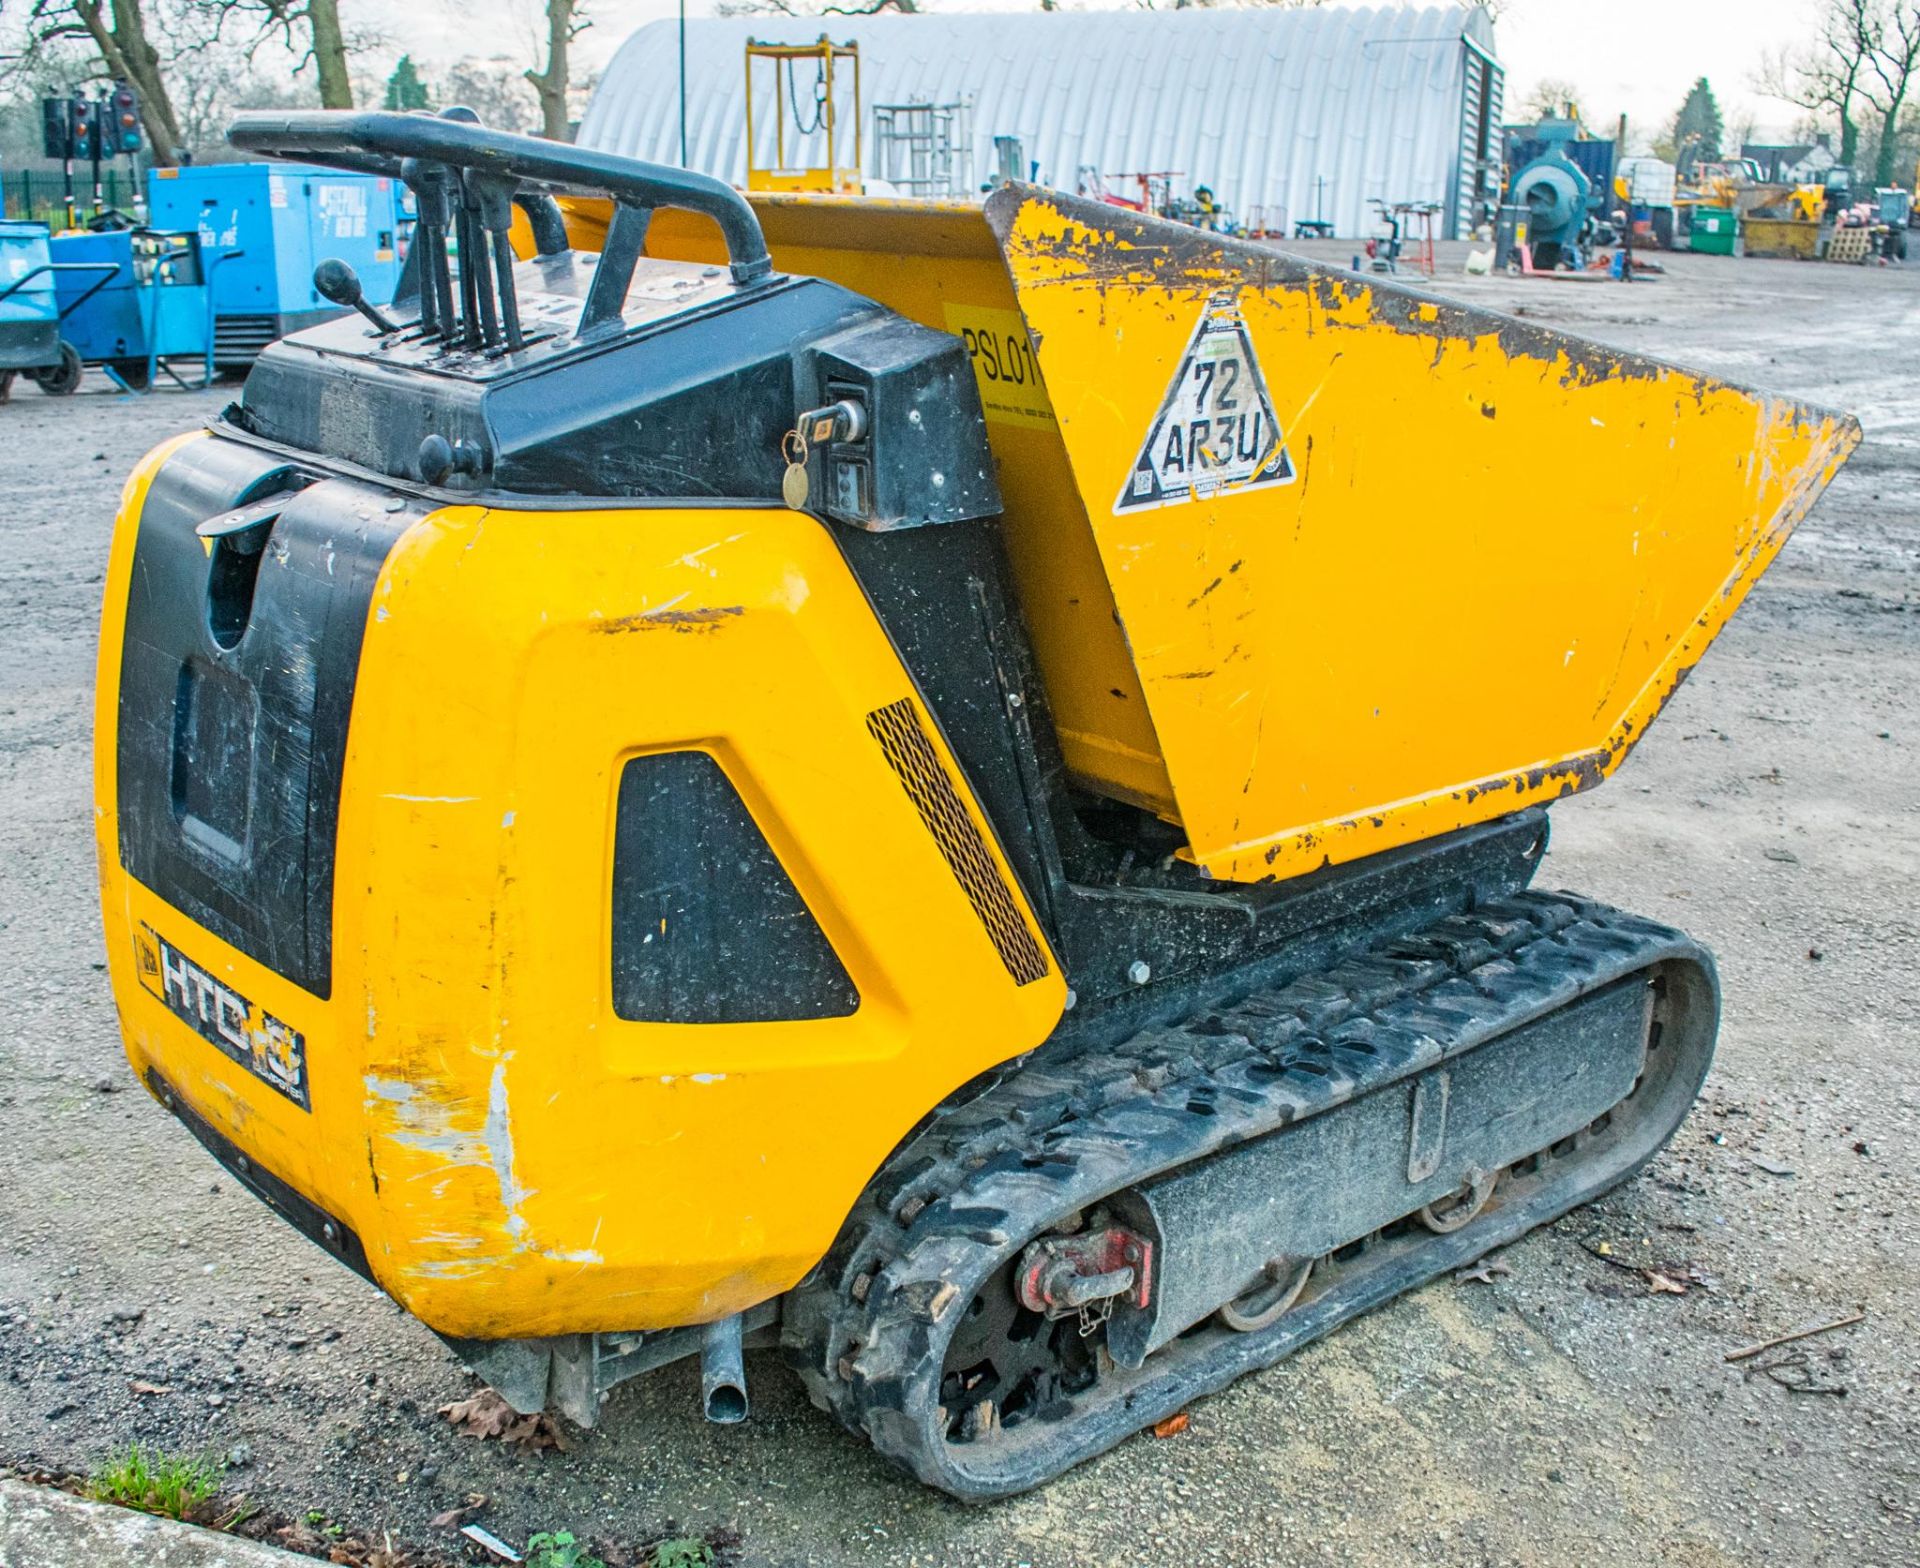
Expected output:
(1315, 565)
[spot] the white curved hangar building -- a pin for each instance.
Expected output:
(1285, 114)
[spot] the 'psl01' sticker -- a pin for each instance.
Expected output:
(1216, 433)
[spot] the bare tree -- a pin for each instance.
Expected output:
(1552, 98)
(214, 80)
(312, 32)
(1893, 60)
(566, 21)
(495, 89)
(1827, 74)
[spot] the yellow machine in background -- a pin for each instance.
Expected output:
(950, 788)
(815, 112)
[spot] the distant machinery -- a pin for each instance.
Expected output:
(924, 149)
(1557, 193)
(276, 222)
(1155, 195)
(815, 112)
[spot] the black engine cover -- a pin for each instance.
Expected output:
(687, 396)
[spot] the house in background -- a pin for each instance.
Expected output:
(1791, 163)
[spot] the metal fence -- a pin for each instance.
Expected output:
(41, 193)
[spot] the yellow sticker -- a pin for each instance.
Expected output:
(1011, 390)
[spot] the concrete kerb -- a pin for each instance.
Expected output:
(42, 1527)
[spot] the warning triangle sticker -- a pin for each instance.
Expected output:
(1216, 433)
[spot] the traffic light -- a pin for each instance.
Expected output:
(124, 125)
(56, 131)
(85, 127)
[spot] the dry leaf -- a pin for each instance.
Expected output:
(1485, 1273)
(1173, 1426)
(142, 1387)
(459, 1516)
(353, 1553)
(1661, 1285)
(486, 1414)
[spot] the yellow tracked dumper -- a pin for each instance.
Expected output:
(950, 789)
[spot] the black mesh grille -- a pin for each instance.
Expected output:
(928, 785)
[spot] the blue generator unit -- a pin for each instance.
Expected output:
(39, 290)
(284, 219)
(153, 308)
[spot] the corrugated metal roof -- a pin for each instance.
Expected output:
(1259, 104)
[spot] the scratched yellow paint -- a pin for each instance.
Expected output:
(516, 1158)
(1501, 551)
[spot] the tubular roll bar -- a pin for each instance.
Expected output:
(470, 178)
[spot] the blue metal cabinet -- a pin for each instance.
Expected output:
(286, 218)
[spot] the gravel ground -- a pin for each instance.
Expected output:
(1564, 1411)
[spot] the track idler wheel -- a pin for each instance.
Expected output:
(1267, 1302)
(1448, 1214)
(1011, 1362)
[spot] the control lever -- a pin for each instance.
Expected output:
(338, 282)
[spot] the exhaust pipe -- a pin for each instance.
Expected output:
(723, 1375)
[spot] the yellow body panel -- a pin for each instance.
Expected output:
(1502, 549)
(515, 1158)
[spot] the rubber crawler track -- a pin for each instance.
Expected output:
(868, 1329)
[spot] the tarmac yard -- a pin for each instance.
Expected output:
(1572, 1401)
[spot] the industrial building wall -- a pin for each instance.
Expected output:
(1306, 113)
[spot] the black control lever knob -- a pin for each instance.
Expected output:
(334, 280)
(439, 459)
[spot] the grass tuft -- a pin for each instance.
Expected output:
(154, 1483)
(687, 1551)
(559, 1550)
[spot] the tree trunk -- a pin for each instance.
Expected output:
(1849, 140)
(552, 83)
(129, 56)
(330, 54)
(1895, 58)
(1888, 156)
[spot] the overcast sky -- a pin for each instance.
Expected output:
(1632, 56)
